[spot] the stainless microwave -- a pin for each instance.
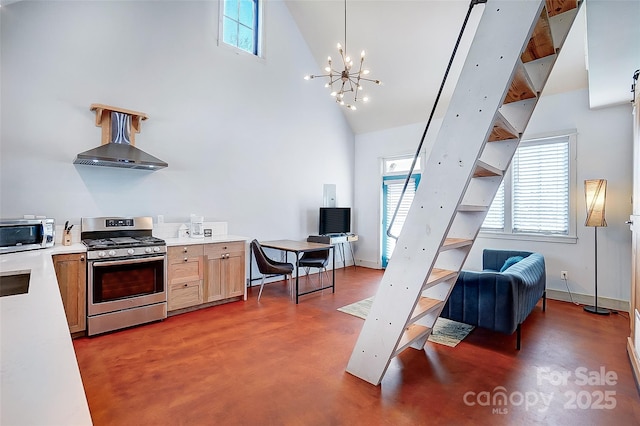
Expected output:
(26, 234)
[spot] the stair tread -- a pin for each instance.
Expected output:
(485, 170)
(438, 275)
(541, 42)
(502, 129)
(424, 306)
(454, 243)
(521, 86)
(472, 208)
(556, 7)
(410, 335)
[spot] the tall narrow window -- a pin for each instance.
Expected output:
(240, 24)
(395, 173)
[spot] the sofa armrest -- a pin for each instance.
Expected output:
(531, 275)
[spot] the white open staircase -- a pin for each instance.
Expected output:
(514, 49)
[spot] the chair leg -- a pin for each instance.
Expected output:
(261, 286)
(326, 273)
(544, 301)
(518, 336)
(292, 287)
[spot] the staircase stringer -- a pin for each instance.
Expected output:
(502, 35)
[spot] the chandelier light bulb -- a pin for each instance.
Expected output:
(365, 99)
(346, 80)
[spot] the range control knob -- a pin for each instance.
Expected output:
(156, 249)
(101, 254)
(148, 250)
(112, 252)
(131, 251)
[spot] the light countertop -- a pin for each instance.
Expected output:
(207, 240)
(40, 381)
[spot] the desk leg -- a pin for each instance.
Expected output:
(250, 269)
(297, 273)
(333, 274)
(352, 256)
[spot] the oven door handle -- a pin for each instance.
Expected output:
(127, 261)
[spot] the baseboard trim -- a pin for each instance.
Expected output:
(635, 362)
(585, 299)
(368, 264)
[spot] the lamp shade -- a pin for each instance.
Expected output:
(595, 194)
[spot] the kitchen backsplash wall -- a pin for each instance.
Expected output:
(247, 141)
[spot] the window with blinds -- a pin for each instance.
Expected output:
(391, 191)
(541, 188)
(539, 201)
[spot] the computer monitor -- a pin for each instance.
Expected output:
(334, 220)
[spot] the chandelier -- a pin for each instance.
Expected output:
(348, 80)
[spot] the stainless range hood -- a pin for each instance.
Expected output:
(118, 149)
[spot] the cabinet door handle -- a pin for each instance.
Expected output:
(226, 256)
(186, 259)
(184, 250)
(186, 285)
(81, 258)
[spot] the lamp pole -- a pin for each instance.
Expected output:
(594, 309)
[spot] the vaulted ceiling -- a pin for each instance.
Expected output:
(408, 44)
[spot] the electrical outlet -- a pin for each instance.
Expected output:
(564, 275)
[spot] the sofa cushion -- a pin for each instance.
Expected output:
(510, 261)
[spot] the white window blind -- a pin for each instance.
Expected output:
(494, 220)
(541, 187)
(538, 197)
(392, 191)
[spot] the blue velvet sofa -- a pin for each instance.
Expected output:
(496, 300)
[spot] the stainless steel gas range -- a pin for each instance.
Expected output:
(126, 273)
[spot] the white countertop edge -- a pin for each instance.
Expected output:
(172, 242)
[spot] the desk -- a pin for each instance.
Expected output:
(337, 239)
(299, 247)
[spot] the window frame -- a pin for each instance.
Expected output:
(507, 232)
(394, 175)
(258, 33)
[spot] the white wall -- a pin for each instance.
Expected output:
(247, 140)
(604, 150)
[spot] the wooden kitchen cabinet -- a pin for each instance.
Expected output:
(71, 272)
(225, 275)
(185, 275)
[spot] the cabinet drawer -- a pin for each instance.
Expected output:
(177, 254)
(184, 295)
(187, 269)
(218, 249)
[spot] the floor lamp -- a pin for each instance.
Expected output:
(595, 194)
